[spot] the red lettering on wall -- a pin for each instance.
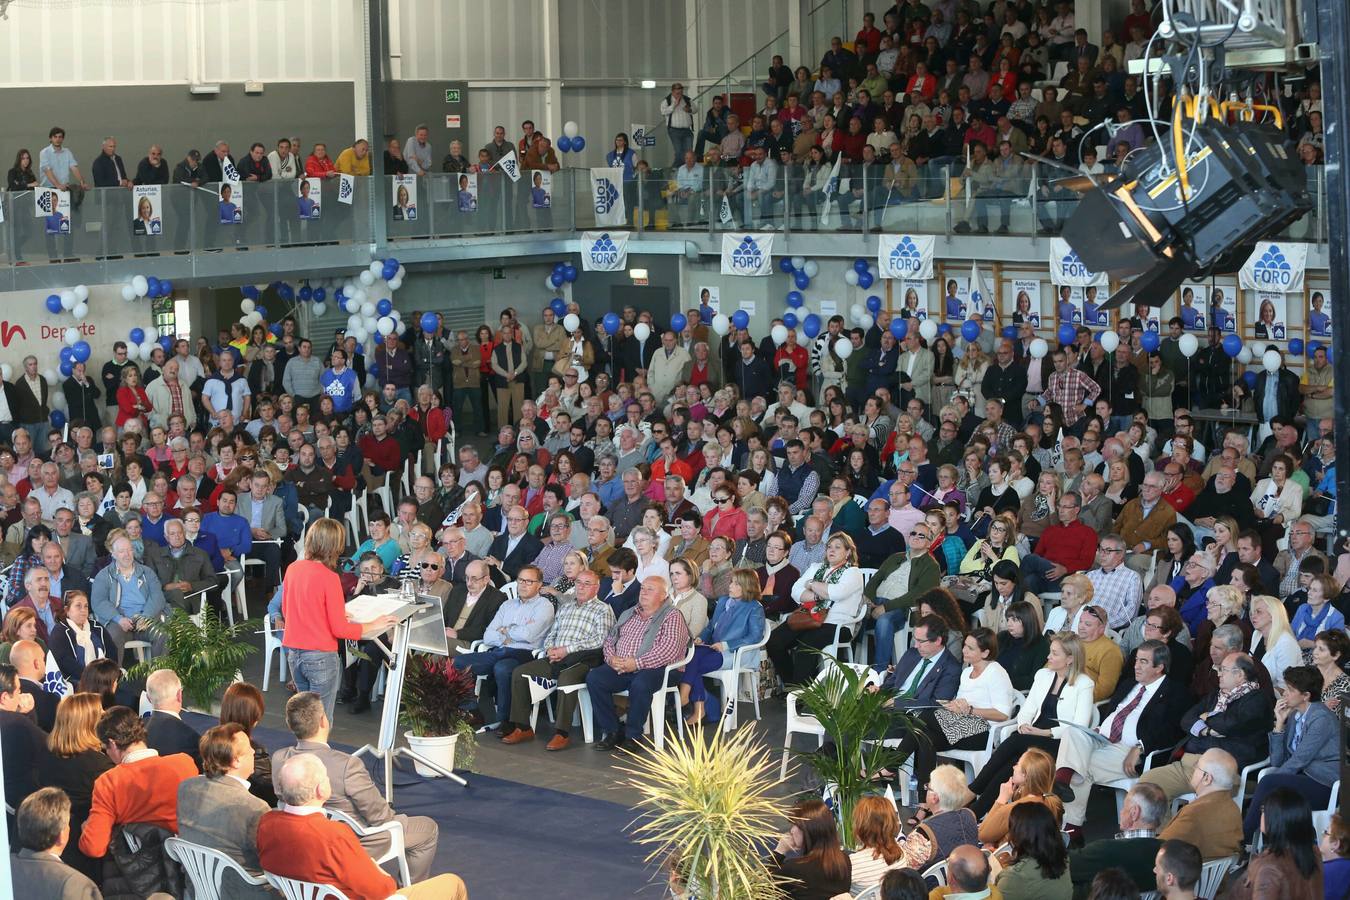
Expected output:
(8, 332)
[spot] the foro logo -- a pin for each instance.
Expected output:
(905, 257)
(603, 252)
(747, 255)
(47, 201)
(345, 189)
(606, 194)
(1073, 267)
(1272, 269)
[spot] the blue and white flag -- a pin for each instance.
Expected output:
(908, 256)
(831, 189)
(228, 172)
(346, 188)
(747, 254)
(540, 687)
(53, 682)
(1275, 267)
(724, 211)
(980, 298)
(607, 197)
(642, 136)
(604, 251)
(1067, 268)
(509, 164)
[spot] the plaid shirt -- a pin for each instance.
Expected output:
(670, 645)
(1071, 389)
(1118, 592)
(580, 626)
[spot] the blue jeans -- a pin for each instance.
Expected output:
(603, 683)
(317, 671)
(886, 627)
(499, 662)
(705, 660)
(1034, 577)
(681, 139)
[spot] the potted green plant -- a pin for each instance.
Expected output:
(855, 718)
(707, 813)
(436, 700)
(207, 654)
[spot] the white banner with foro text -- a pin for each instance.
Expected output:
(602, 251)
(747, 254)
(908, 256)
(607, 196)
(1066, 268)
(1275, 267)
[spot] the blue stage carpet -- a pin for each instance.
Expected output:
(509, 840)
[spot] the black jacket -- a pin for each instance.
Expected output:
(185, 173)
(23, 406)
(1157, 728)
(82, 402)
(108, 170)
(148, 173)
(262, 168)
(1287, 397)
(44, 704)
(753, 378)
(526, 550)
(67, 653)
(1244, 726)
(211, 170)
(1008, 385)
(481, 616)
(169, 734)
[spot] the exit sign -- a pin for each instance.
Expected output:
(452, 95)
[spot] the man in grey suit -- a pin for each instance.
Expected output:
(216, 810)
(37, 872)
(79, 548)
(183, 569)
(354, 793)
(266, 517)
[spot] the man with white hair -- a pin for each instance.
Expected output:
(127, 597)
(1133, 849)
(49, 493)
(165, 730)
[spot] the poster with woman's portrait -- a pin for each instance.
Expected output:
(1093, 314)
(1026, 301)
(308, 194)
(53, 206)
(955, 298)
(146, 209)
(231, 205)
(709, 296)
(1069, 305)
(541, 189)
(1146, 318)
(405, 198)
(1319, 313)
(1269, 315)
(1223, 307)
(1194, 303)
(913, 299)
(466, 194)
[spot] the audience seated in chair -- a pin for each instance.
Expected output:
(165, 730)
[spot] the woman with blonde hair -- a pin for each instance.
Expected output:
(73, 762)
(684, 575)
(1039, 511)
(831, 594)
(564, 586)
(1273, 641)
(875, 828)
(21, 624)
(716, 574)
(1075, 594)
(969, 374)
(1001, 543)
(1032, 781)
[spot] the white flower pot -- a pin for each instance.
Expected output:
(440, 750)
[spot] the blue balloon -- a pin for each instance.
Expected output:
(1066, 333)
(970, 330)
(559, 268)
(899, 328)
(944, 328)
(559, 307)
(613, 322)
(67, 355)
(864, 280)
(874, 304)
(740, 318)
(53, 303)
(429, 322)
(262, 310)
(1149, 340)
(82, 351)
(1232, 345)
(785, 265)
(391, 261)
(811, 325)
(556, 279)
(1250, 379)
(249, 291)
(384, 307)
(1296, 346)
(58, 419)
(166, 287)
(1010, 332)
(860, 266)
(564, 144)
(136, 336)
(678, 322)
(390, 269)
(790, 319)
(320, 295)
(795, 299)
(801, 280)
(166, 342)
(305, 293)
(152, 285)
(570, 273)
(578, 144)
(67, 368)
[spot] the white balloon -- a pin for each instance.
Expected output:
(81, 292)
(642, 331)
(68, 300)
(247, 306)
(376, 268)
(927, 329)
(865, 321)
(320, 309)
(856, 311)
(812, 268)
(368, 324)
(401, 272)
(385, 325)
(1039, 348)
(395, 284)
(1271, 359)
(548, 284)
(366, 278)
(58, 400)
(151, 334)
(6, 371)
(779, 334)
(843, 348)
(571, 322)
(147, 348)
(851, 278)
(262, 287)
(128, 293)
(1188, 345)
(1244, 355)
(357, 297)
(367, 309)
(50, 375)
(140, 285)
(799, 263)
(1110, 341)
(80, 311)
(721, 323)
(73, 337)
(360, 335)
(570, 129)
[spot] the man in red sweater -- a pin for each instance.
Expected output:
(298, 841)
(1175, 491)
(381, 452)
(1063, 549)
(142, 786)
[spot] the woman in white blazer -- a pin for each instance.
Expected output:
(1278, 500)
(833, 593)
(1060, 693)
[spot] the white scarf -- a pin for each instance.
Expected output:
(85, 638)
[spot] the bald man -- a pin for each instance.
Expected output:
(30, 661)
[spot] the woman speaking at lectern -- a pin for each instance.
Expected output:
(313, 607)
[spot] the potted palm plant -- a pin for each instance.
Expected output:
(436, 699)
(707, 814)
(855, 718)
(207, 654)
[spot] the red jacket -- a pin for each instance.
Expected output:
(131, 404)
(867, 42)
(319, 168)
(851, 145)
(795, 355)
(1073, 546)
(436, 427)
(314, 607)
(315, 848)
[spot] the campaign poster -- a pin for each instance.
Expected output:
(53, 206)
(1069, 305)
(709, 296)
(1319, 313)
(466, 193)
(231, 207)
(1093, 314)
(1268, 312)
(1194, 306)
(405, 198)
(1148, 318)
(541, 189)
(146, 208)
(1223, 307)
(1026, 302)
(956, 299)
(914, 299)
(308, 197)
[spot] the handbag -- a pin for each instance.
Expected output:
(1317, 506)
(956, 727)
(801, 620)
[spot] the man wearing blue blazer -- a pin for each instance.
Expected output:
(926, 673)
(621, 591)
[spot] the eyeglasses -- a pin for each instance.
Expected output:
(528, 580)
(921, 535)
(723, 499)
(1110, 549)
(433, 567)
(919, 640)
(1095, 613)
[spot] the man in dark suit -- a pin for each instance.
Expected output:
(166, 731)
(621, 589)
(471, 605)
(927, 672)
(1133, 849)
(218, 812)
(30, 661)
(37, 872)
(63, 576)
(1143, 713)
(78, 549)
(22, 743)
(183, 569)
(514, 549)
(1285, 397)
(457, 558)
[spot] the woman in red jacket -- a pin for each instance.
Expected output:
(432, 420)
(726, 519)
(132, 403)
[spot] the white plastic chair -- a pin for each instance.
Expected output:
(294, 889)
(974, 760)
(839, 646)
(510, 590)
(805, 723)
(656, 720)
(1212, 874)
(205, 868)
(744, 668)
(938, 872)
(397, 846)
(1257, 768)
(272, 642)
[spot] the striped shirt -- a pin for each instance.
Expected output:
(580, 626)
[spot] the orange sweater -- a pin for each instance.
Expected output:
(317, 849)
(142, 791)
